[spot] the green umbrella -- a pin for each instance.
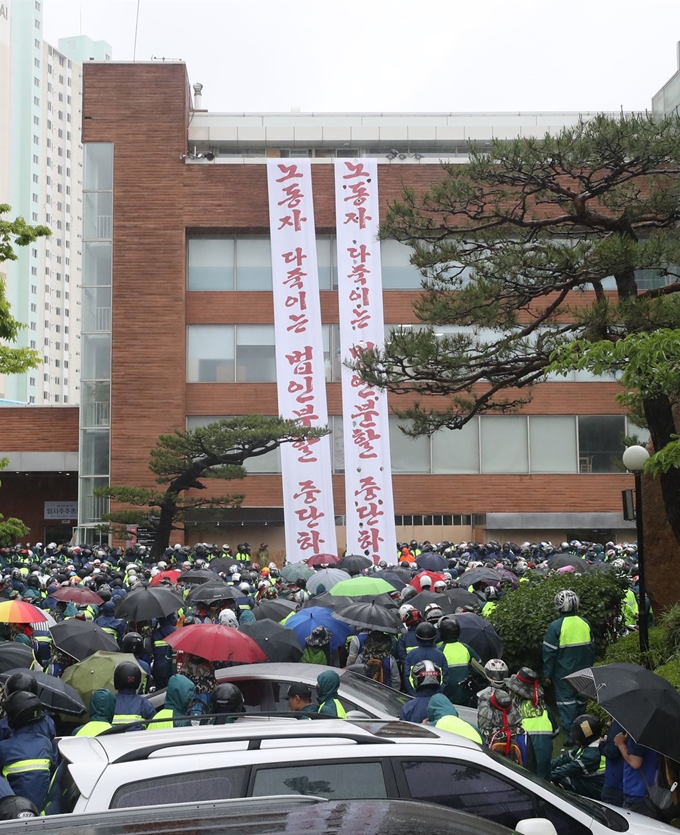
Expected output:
(96, 673)
(361, 587)
(298, 571)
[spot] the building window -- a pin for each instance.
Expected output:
(31, 381)
(36, 62)
(36, 159)
(228, 353)
(33, 344)
(56, 398)
(34, 288)
(600, 443)
(34, 308)
(31, 399)
(34, 327)
(36, 101)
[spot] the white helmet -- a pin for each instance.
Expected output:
(404, 609)
(496, 670)
(233, 569)
(177, 546)
(433, 613)
(228, 618)
(244, 587)
(162, 565)
(567, 601)
(440, 585)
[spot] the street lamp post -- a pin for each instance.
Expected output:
(634, 460)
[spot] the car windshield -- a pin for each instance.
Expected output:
(602, 814)
(367, 690)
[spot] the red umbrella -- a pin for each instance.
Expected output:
(171, 574)
(415, 582)
(323, 559)
(18, 611)
(215, 642)
(78, 595)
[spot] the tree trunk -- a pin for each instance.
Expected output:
(164, 530)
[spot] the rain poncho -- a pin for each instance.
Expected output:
(443, 714)
(102, 708)
(327, 694)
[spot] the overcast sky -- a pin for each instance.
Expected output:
(391, 55)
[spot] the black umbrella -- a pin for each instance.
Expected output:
(54, 694)
(354, 564)
(564, 560)
(371, 616)
(431, 561)
(479, 575)
(212, 591)
(81, 638)
(274, 610)
(223, 564)
(14, 655)
(644, 704)
(148, 603)
(195, 576)
(461, 598)
(479, 634)
(392, 577)
(420, 601)
(339, 602)
(278, 643)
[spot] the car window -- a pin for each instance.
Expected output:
(256, 694)
(280, 692)
(217, 784)
(562, 821)
(334, 781)
(379, 696)
(467, 788)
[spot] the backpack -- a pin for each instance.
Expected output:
(506, 743)
(375, 669)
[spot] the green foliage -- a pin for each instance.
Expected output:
(670, 623)
(14, 233)
(627, 649)
(671, 672)
(522, 617)
(12, 527)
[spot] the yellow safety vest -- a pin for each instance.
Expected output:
(455, 725)
(456, 654)
(23, 766)
(126, 718)
(575, 632)
(540, 724)
(342, 713)
(94, 728)
(164, 715)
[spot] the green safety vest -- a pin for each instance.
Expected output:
(164, 715)
(456, 654)
(575, 632)
(93, 728)
(455, 725)
(22, 766)
(488, 608)
(536, 724)
(342, 713)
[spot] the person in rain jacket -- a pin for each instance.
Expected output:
(113, 625)
(427, 680)
(426, 635)
(581, 770)
(129, 705)
(162, 652)
(19, 681)
(537, 719)
(102, 708)
(327, 685)
(443, 715)
(567, 647)
(178, 699)
(458, 657)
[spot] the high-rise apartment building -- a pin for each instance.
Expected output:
(41, 179)
(667, 100)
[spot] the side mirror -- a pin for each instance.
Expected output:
(535, 826)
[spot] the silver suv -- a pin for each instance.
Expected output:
(330, 758)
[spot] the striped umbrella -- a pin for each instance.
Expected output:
(18, 611)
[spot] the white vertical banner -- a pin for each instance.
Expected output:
(300, 374)
(368, 466)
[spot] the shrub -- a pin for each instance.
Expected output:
(522, 617)
(671, 672)
(670, 623)
(628, 649)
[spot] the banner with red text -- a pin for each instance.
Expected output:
(368, 469)
(300, 371)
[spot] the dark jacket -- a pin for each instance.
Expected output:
(26, 744)
(327, 685)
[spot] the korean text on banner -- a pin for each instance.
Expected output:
(368, 468)
(300, 375)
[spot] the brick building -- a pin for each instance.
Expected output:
(178, 317)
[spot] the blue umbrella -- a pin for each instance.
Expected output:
(431, 561)
(304, 621)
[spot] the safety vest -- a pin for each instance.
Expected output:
(93, 728)
(342, 713)
(126, 718)
(536, 724)
(164, 715)
(22, 766)
(575, 632)
(488, 608)
(630, 608)
(456, 654)
(457, 726)
(113, 632)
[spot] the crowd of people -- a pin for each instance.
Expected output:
(424, 656)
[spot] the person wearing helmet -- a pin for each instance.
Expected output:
(227, 617)
(492, 596)
(567, 647)
(27, 757)
(427, 678)
(134, 643)
(101, 710)
(459, 658)
(581, 770)
(163, 663)
(426, 635)
(111, 624)
(537, 719)
(15, 808)
(327, 685)
(130, 706)
(22, 680)
(496, 672)
(226, 698)
(407, 641)
(433, 613)
(498, 713)
(178, 698)
(442, 713)
(318, 648)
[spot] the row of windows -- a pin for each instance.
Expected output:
(246, 353)
(491, 444)
(231, 263)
